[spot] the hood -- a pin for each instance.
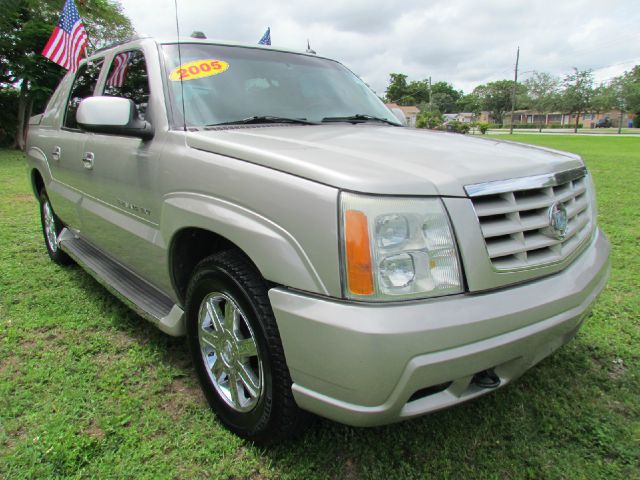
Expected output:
(383, 159)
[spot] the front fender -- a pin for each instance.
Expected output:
(276, 253)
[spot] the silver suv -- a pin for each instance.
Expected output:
(319, 256)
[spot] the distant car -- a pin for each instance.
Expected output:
(603, 123)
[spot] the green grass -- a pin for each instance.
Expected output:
(88, 389)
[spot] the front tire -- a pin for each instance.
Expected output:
(51, 228)
(237, 352)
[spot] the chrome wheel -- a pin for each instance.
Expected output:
(50, 227)
(230, 352)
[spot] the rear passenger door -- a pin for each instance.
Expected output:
(121, 210)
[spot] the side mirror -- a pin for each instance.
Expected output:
(112, 115)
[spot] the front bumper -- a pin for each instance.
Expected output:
(371, 364)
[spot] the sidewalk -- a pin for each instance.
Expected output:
(626, 132)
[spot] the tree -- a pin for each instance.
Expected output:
(24, 30)
(543, 93)
(605, 97)
(469, 103)
(496, 97)
(577, 94)
(416, 92)
(444, 97)
(630, 92)
(398, 87)
(622, 93)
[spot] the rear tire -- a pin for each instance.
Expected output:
(237, 352)
(51, 228)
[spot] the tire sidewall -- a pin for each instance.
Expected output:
(218, 279)
(56, 256)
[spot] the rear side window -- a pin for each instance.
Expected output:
(83, 87)
(128, 78)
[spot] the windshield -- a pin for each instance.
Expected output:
(223, 84)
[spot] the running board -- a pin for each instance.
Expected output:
(142, 297)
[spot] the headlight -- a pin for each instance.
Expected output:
(396, 248)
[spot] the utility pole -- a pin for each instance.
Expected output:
(513, 96)
(430, 109)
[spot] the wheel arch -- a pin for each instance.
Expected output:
(197, 226)
(37, 182)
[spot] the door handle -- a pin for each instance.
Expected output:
(55, 155)
(87, 160)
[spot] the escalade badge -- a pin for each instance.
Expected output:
(557, 221)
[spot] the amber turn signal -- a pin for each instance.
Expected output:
(359, 269)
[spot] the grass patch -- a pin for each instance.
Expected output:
(88, 389)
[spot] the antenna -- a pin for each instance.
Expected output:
(309, 49)
(184, 115)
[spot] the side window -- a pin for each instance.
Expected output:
(83, 87)
(128, 78)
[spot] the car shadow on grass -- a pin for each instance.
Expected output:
(552, 421)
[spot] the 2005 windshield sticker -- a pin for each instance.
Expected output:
(198, 69)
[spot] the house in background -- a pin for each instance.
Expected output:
(484, 117)
(410, 112)
(462, 117)
(587, 119)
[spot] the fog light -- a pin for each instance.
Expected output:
(397, 271)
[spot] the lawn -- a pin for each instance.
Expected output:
(88, 389)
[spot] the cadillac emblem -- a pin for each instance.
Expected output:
(558, 221)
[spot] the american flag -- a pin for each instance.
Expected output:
(119, 70)
(266, 38)
(68, 40)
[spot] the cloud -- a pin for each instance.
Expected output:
(465, 42)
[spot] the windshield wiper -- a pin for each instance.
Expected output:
(360, 118)
(265, 119)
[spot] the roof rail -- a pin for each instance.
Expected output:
(121, 42)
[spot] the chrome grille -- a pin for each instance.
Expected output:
(514, 217)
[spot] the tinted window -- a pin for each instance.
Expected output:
(83, 87)
(128, 78)
(220, 84)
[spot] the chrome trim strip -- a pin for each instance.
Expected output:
(525, 183)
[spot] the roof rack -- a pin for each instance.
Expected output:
(121, 42)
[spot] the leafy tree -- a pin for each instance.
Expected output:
(416, 92)
(629, 87)
(578, 92)
(469, 103)
(444, 97)
(398, 87)
(622, 93)
(632, 89)
(605, 97)
(543, 93)
(496, 97)
(8, 107)
(25, 28)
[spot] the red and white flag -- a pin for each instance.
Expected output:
(119, 70)
(68, 40)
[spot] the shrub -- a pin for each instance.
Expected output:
(8, 119)
(429, 119)
(458, 127)
(483, 127)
